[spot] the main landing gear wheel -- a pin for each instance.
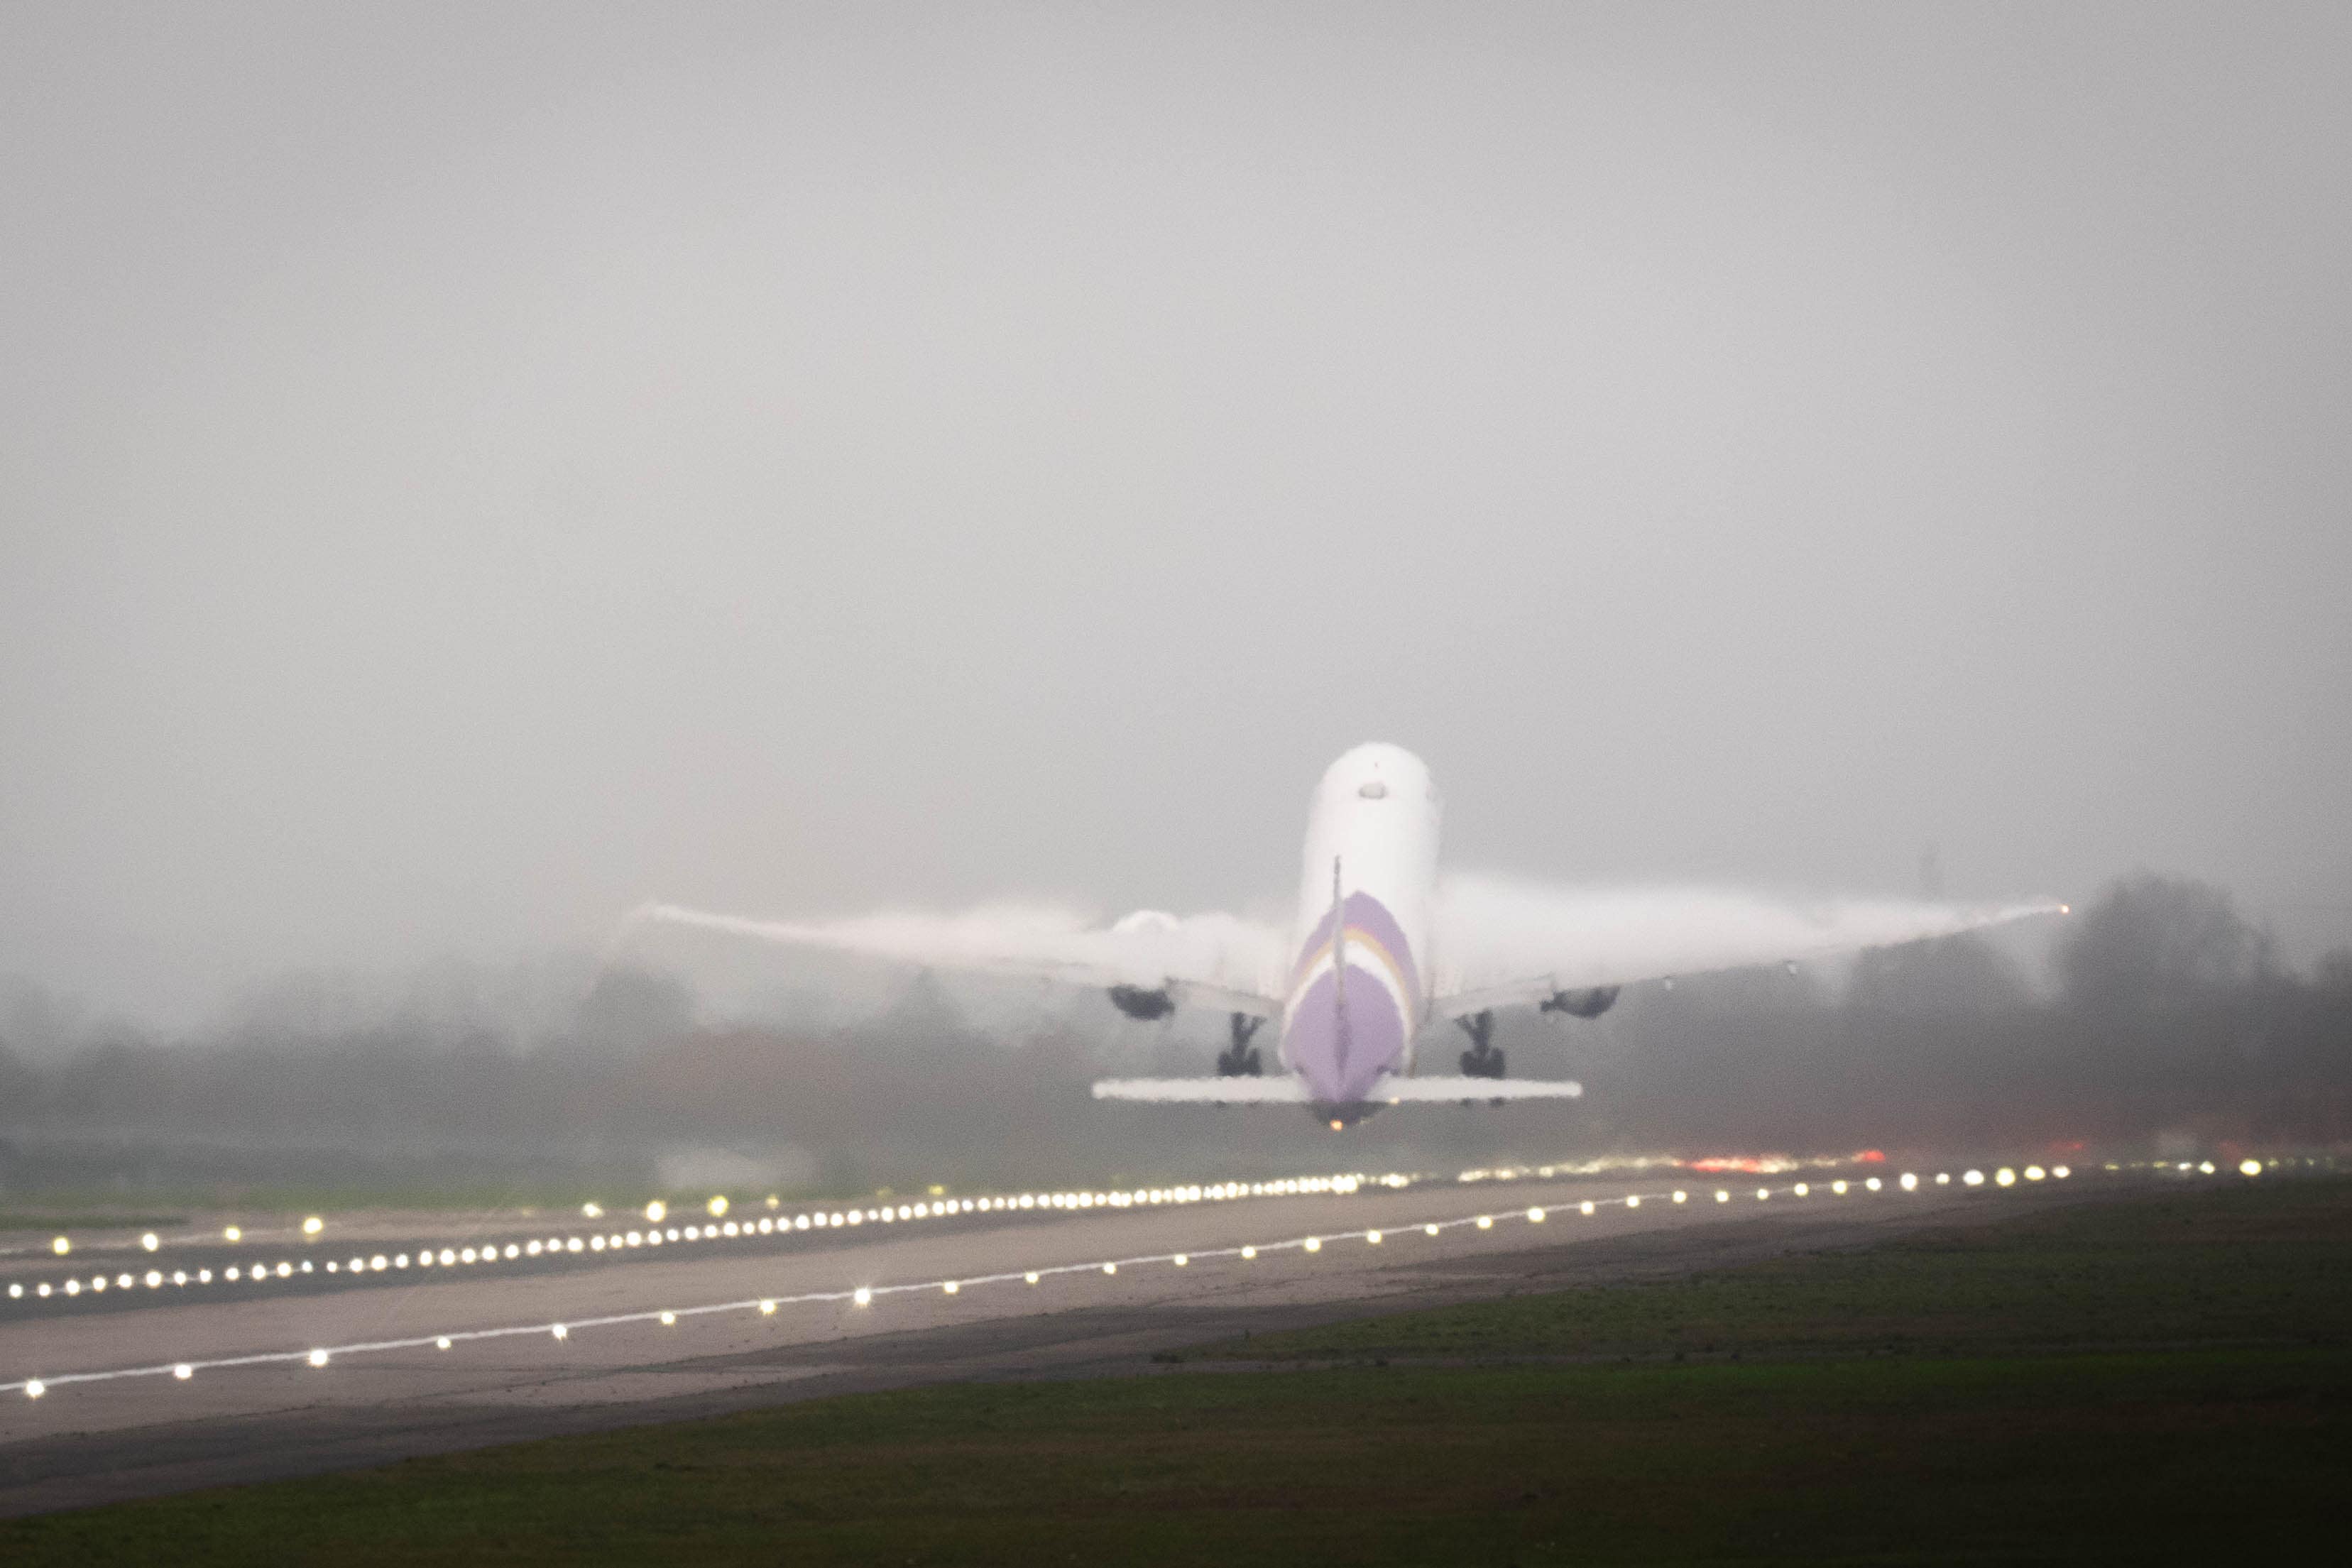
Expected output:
(1483, 1059)
(1240, 1060)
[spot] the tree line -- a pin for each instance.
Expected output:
(2166, 1021)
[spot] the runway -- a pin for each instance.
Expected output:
(760, 1316)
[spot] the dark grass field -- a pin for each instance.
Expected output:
(2163, 1378)
(2249, 1264)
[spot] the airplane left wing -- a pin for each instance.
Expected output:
(1218, 961)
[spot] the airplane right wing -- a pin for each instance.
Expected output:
(1503, 944)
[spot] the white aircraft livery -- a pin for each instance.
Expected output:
(1381, 948)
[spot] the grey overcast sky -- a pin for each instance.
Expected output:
(468, 469)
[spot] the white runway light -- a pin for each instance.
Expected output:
(479, 1253)
(319, 1356)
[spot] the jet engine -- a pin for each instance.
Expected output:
(1138, 1003)
(1588, 1004)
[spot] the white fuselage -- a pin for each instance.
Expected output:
(1354, 1000)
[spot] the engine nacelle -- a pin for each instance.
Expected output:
(1588, 1004)
(1138, 1003)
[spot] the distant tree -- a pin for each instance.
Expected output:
(634, 1010)
(39, 1025)
(19, 1087)
(2157, 943)
(2334, 975)
(1958, 976)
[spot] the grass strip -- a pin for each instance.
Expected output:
(2250, 1265)
(2232, 1437)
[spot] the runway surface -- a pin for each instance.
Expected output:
(117, 1437)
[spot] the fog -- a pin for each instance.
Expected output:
(468, 472)
(2163, 1025)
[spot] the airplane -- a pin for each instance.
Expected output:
(1381, 948)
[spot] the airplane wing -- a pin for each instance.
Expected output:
(1502, 944)
(1218, 961)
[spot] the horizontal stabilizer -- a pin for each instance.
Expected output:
(1289, 1089)
(1466, 1089)
(1283, 1090)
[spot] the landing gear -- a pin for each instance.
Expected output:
(1239, 1061)
(1483, 1059)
